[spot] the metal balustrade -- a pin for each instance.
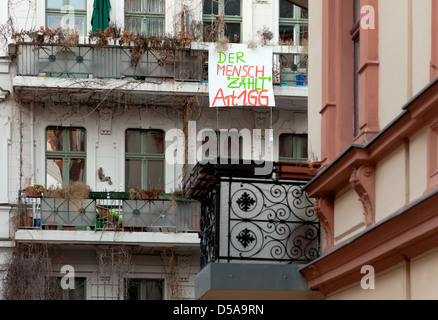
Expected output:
(109, 214)
(116, 62)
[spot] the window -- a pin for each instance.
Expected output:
(67, 14)
(293, 23)
(293, 147)
(78, 293)
(65, 155)
(144, 16)
(227, 145)
(230, 10)
(144, 159)
(355, 34)
(144, 289)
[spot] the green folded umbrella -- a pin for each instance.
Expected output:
(100, 19)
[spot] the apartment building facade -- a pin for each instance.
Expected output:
(78, 111)
(374, 90)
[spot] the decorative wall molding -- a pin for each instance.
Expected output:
(363, 181)
(325, 211)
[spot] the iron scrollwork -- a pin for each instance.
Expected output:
(271, 222)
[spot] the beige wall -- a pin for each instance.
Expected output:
(349, 218)
(315, 78)
(391, 182)
(405, 53)
(393, 52)
(417, 165)
(424, 276)
(421, 44)
(389, 285)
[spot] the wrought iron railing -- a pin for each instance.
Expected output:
(116, 62)
(258, 220)
(167, 215)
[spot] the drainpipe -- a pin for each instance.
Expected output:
(32, 142)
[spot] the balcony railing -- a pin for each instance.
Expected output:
(250, 218)
(117, 213)
(116, 62)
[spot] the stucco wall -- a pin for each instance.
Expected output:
(391, 182)
(349, 218)
(389, 285)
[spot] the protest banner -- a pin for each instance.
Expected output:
(240, 76)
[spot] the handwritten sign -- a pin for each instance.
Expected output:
(240, 76)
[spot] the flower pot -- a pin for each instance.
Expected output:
(53, 227)
(149, 195)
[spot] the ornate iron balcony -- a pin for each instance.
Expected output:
(246, 218)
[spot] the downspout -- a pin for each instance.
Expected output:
(32, 142)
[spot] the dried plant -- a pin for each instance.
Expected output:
(265, 35)
(169, 262)
(29, 275)
(73, 191)
(114, 265)
(68, 41)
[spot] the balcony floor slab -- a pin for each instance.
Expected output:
(157, 239)
(238, 281)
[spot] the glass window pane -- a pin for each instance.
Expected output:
(133, 141)
(154, 6)
(54, 176)
(154, 290)
(54, 21)
(155, 173)
(54, 139)
(304, 13)
(286, 146)
(232, 7)
(232, 31)
(133, 5)
(77, 170)
(155, 26)
(303, 149)
(79, 25)
(77, 140)
(78, 4)
(211, 7)
(133, 174)
(286, 33)
(286, 9)
(134, 290)
(54, 4)
(155, 142)
(78, 293)
(133, 24)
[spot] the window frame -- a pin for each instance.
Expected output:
(67, 292)
(58, 12)
(143, 291)
(300, 24)
(66, 155)
(144, 16)
(235, 19)
(296, 147)
(144, 156)
(355, 37)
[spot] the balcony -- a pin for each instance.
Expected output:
(254, 227)
(117, 62)
(109, 211)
